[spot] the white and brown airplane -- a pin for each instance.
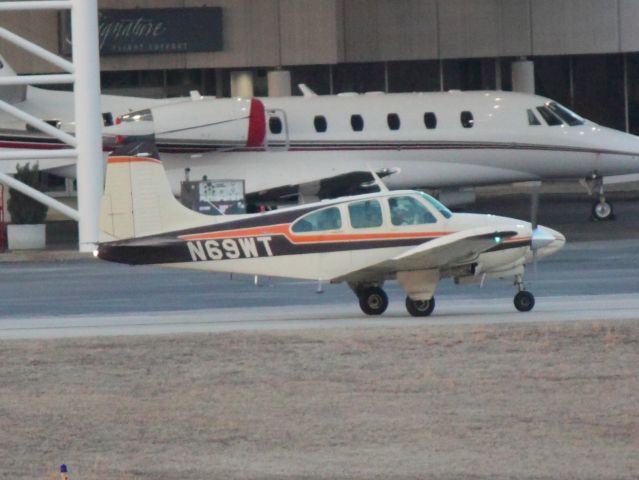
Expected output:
(362, 240)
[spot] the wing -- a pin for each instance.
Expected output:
(349, 183)
(450, 250)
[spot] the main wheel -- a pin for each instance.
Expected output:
(524, 301)
(420, 308)
(373, 301)
(602, 210)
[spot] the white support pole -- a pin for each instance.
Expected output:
(90, 168)
(39, 196)
(37, 50)
(46, 154)
(39, 124)
(38, 79)
(35, 5)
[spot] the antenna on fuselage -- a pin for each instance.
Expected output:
(306, 90)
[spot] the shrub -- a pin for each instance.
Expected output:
(23, 209)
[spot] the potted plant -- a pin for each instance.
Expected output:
(26, 230)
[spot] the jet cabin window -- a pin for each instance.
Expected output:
(393, 121)
(550, 118)
(326, 219)
(366, 214)
(320, 123)
(357, 123)
(467, 119)
(566, 115)
(408, 211)
(532, 119)
(430, 120)
(275, 125)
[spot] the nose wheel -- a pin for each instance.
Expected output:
(373, 301)
(524, 301)
(602, 210)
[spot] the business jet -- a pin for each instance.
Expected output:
(320, 146)
(362, 240)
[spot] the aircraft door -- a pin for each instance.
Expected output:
(277, 137)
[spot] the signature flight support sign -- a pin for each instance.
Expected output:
(155, 30)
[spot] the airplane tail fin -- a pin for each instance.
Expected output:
(138, 201)
(11, 93)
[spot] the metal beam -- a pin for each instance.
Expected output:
(39, 196)
(36, 5)
(20, 154)
(39, 124)
(37, 50)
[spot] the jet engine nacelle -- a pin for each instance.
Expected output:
(197, 125)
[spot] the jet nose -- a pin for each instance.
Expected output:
(546, 241)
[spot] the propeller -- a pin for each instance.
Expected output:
(538, 239)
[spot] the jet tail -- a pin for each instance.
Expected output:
(138, 201)
(11, 93)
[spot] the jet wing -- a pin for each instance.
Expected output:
(345, 184)
(447, 251)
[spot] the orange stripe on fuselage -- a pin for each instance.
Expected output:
(133, 160)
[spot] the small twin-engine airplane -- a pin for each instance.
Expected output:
(362, 240)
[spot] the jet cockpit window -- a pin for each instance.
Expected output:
(366, 214)
(275, 125)
(467, 119)
(532, 119)
(318, 221)
(566, 115)
(408, 211)
(430, 120)
(320, 123)
(550, 118)
(393, 121)
(357, 123)
(139, 116)
(439, 206)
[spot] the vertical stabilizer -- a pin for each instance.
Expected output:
(137, 201)
(11, 93)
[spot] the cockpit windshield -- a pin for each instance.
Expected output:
(440, 207)
(571, 118)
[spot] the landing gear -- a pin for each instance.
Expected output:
(420, 308)
(601, 208)
(373, 300)
(524, 300)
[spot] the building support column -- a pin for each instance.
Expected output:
(523, 76)
(279, 83)
(242, 83)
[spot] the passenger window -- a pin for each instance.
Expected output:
(408, 211)
(366, 214)
(430, 120)
(326, 219)
(357, 123)
(550, 118)
(532, 119)
(320, 123)
(467, 119)
(275, 125)
(393, 121)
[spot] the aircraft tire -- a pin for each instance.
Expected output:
(373, 301)
(524, 301)
(602, 211)
(420, 308)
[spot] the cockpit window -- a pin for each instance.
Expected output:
(408, 211)
(532, 119)
(566, 115)
(439, 206)
(550, 118)
(366, 214)
(326, 219)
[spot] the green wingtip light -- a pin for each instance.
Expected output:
(497, 239)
